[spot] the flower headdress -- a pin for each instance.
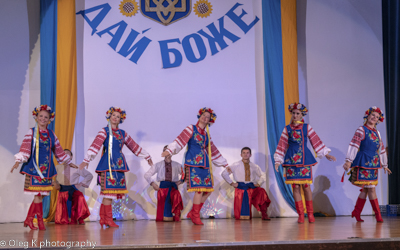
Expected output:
(213, 116)
(36, 111)
(374, 109)
(303, 109)
(117, 109)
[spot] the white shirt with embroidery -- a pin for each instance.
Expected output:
(239, 173)
(159, 169)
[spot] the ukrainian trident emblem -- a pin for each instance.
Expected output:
(165, 11)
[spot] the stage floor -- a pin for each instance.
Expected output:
(216, 233)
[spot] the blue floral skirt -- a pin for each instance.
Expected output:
(361, 176)
(36, 185)
(198, 179)
(113, 188)
(298, 175)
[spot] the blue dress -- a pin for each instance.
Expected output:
(367, 162)
(197, 164)
(33, 181)
(298, 158)
(117, 185)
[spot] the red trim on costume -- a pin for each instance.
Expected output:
(283, 144)
(26, 146)
(184, 137)
(315, 141)
(215, 154)
(133, 146)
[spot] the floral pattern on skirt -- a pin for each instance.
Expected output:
(198, 179)
(298, 175)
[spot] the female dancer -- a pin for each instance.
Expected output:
(36, 154)
(198, 163)
(366, 154)
(296, 158)
(112, 166)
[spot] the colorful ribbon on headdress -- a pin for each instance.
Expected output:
(209, 155)
(35, 148)
(110, 142)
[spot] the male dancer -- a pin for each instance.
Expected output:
(169, 200)
(249, 177)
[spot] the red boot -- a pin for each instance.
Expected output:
(39, 215)
(177, 216)
(73, 217)
(29, 218)
(300, 211)
(264, 210)
(102, 216)
(375, 207)
(108, 216)
(310, 211)
(195, 216)
(358, 209)
(189, 215)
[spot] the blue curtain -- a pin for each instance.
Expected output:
(274, 95)
(48, 53)
(391, 69)
(48, 60)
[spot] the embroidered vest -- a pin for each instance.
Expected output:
(368, 154)
(298, 154)
(118, 162)
(196, 155)
(46, 148)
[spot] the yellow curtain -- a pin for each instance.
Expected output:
(289, 53)
(66, 95)
(289, 56)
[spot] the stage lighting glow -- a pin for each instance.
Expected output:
(210, 208)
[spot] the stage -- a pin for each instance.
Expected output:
(279, 233)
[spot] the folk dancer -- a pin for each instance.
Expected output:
(292, 152)
(200, 155)
(39, 146)
(249, 178)
(68, 186)
(169, 200)
(112, 166)
(365, 155)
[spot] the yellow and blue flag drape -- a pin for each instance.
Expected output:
(281, 74)
(58, 79)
